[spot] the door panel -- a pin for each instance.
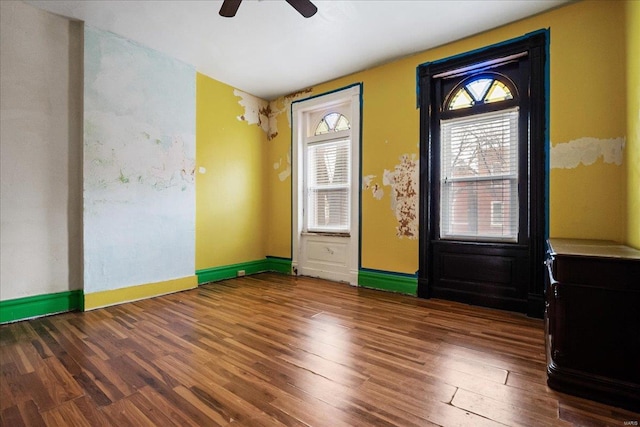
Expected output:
(480, 274)
(325, 256)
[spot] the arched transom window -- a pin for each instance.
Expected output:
(479, 91)
(479, 146)
(332, 122)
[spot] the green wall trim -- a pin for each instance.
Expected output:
(388, 281)
(40, 305)
(280, 265)
(224, 272)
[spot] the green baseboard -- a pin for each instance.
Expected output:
(384, 280)
(281, 265)
(388, 281)
(40, 305)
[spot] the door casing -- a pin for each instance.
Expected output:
(527, 262)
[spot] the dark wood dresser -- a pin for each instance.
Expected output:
(592, 321)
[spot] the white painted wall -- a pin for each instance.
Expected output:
(40, 151)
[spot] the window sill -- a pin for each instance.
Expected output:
(325, 234)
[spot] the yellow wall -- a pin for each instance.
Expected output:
(633, 124)
(279, 190)
(587, 59)
(587, 70)
(230, 191)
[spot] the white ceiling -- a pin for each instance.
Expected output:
(269, 50)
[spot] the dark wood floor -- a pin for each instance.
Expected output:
(271, 350)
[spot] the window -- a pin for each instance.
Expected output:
(479, 91)
(329, 176)
(332, 122)
(479, 172)
(479, 168)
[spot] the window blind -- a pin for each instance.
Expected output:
(479, 177)
(328, 186)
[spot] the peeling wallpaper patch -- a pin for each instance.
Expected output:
(375, 188)
(569, 155)
(265, 114)
(403, 181)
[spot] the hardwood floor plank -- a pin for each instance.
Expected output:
(92, 390)
(67, 414)
(61, 385)
(209, 406)
(98, 373)
(177, 404)
(149, 410)
(32, 388)
(535, 382)
(260, 393)
(41, 348)
(42, 328)
(312, 412)
(178, 416)
(10, 416)
(125, 413)
(147, 367)
(501, 411)
(124, 370)
(426, 408)
(275, 350)
(23, 359)
(6, 396)
(90, 411)
(30, 414)
(12, 385)
(480, 370)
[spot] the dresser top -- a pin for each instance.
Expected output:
(593, 248)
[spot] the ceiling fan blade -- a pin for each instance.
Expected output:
(304, 7)
(229, 8)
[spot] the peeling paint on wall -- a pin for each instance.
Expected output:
(256, 110)
(286, 172)
(404, 195)
(568, 155)
(375, 188)
(287, 100)
(138, 164)
(265, 114)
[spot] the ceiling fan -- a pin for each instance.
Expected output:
(304, 7)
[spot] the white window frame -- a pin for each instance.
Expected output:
(445, 213)
(313, 142)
